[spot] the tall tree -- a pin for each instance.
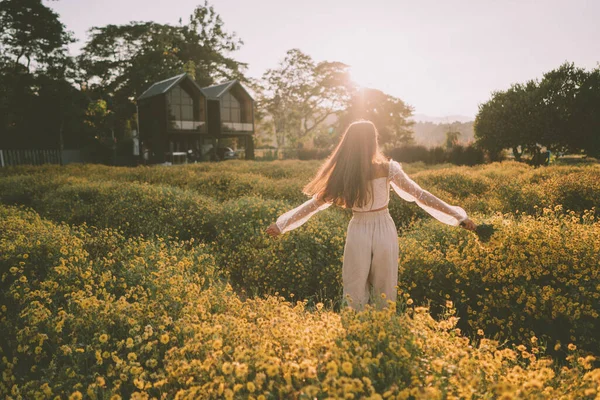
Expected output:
(558, 92)
(452, 136)
(556, 112)
(31, 34)
(389, 114)
(38, 104)
(586, 113)
(511, 119)
(300, 94)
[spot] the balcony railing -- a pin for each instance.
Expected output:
(189, 125)
(238, 126)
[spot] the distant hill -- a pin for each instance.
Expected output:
(440, 120)
(428, 131)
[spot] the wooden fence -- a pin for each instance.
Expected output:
(29, 157)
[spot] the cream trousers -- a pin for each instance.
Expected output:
(370, 268)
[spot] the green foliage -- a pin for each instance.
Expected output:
(63, 288)
(135, 209)
(452, 138)
(431, 134)
(388, 113)
(300, 94)
(456, 154)
(39, 107)
(301, 264)
(536, 276)
(93, 303)
(228, 206)
(31, 34)
(555, 113)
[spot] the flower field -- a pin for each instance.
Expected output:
(159, 282)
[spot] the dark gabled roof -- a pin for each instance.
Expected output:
(164, 86)
(213, 92)
(216, 91)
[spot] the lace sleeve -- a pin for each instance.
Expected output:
(408, 190)
(299, 215)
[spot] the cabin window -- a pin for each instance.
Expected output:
(230, 108)
(181, 106)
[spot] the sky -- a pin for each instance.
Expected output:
(442, 57)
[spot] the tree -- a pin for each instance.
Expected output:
(556, 113)
(119, 62)
(300, 94)
(39, 107)
(559, 90)
(389, 114)
(585, 112)
(511, 119)
(31, 34)
(452, 136)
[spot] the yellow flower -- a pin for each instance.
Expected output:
(241, 370)
(151, 363)
(480, 332)
(409, 301)
(46, 389)
(572, 347)
(251, 387)
(332, 368)
(76, 395)
(164, 338)
(129, 343)
(103, 338)
(347, 367)
(534, 339)
(66, 350)
(132, 356)
(227, 368)
(217, 344)
(272, 370)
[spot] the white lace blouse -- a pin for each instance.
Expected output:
(405, 187)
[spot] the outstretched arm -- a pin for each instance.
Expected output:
(408, 189)
(297, 216)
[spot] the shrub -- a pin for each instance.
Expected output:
(313, 154)
(457, 155)
(69, 318)
(537, 275)
(302, 263)
(150, 319)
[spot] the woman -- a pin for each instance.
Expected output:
(357, 175)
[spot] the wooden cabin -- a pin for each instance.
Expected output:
(177, 115)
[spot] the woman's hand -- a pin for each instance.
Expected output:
(468, 225)
(273, 230)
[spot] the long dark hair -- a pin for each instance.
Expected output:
(344, 177)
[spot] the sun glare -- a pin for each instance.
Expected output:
(363, 76)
